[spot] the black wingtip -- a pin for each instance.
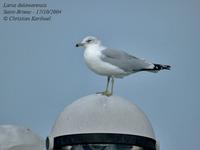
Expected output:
(167, 67)
(161, 67)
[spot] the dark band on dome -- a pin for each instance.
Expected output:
(104, 138)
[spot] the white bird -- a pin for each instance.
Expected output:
(113, 63)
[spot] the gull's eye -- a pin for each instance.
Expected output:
(88, 41)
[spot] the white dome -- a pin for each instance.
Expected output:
(101, 114)
(12, 136)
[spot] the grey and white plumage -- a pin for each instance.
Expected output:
(114, 63)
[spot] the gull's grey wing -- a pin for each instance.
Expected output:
(124, 61)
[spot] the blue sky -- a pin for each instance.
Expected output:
(41, 71)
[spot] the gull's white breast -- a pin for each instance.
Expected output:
(94, 62)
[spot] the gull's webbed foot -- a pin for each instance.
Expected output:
(106, 93)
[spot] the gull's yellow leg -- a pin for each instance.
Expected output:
(106, 92)
(112, 85)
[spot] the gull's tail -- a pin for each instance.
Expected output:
(158, 67)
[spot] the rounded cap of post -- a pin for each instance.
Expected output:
(19, 138)
(101, 119)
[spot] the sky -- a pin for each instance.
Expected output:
(41, 70)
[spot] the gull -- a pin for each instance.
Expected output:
(113, 63)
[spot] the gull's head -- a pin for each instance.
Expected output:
(89, 41)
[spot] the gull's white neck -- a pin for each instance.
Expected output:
(92, 56)
(95, 47)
